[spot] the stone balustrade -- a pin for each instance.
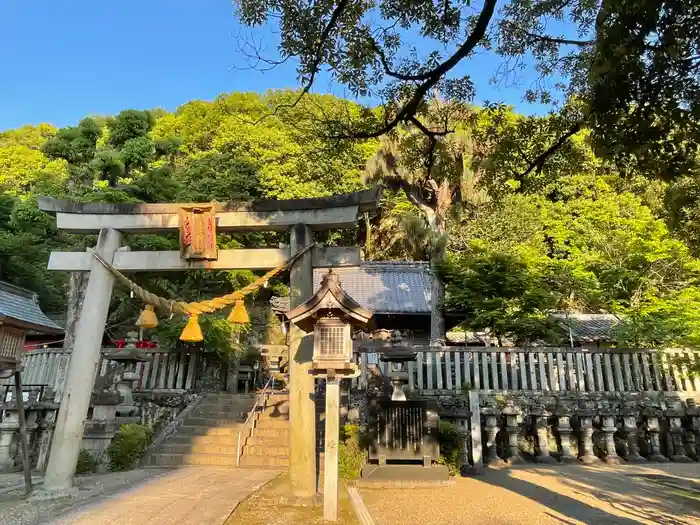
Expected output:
(584, 429)
(40, 417)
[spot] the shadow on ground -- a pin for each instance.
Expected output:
(573, 495)
(624, 495)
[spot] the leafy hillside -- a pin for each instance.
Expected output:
(578, 234)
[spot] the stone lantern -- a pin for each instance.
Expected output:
(19, 312)
(331, 314)
(11, 347)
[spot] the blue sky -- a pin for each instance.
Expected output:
(61, 61)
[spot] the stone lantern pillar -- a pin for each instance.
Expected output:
(629, 425)
(651, 420)
(539, 418)
(607, 416)
(564, 429)
(512, 414)
(585, 418)
(693, 419)
(491, 416)
(675, 423)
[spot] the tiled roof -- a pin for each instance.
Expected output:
(585, 328)
(588, 328)
(382, 287)
(21, 305)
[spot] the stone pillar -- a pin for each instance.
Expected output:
(475, 411)
(9, 440)
(609, 428)
(586, 454)
(675, 426)
(330, 474)
(512, 429)
(629, 425)
(693, 420)
(491, 416)
(45, 431)
(564, 429)
(539, 420)
(302, 408)
(82, 369)
(651, 417)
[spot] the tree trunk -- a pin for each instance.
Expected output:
(437, 286)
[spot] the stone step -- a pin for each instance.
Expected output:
(230, 395)
(196, 430)
(264, 461)
(176, 460)
(219, 414)
(243, 405)
(276, 409)
(198, 448)
(257, 440)
(278, 394)
(272, 423)
(223, 441)
(213, 422)
(266, 450)
(278, 432)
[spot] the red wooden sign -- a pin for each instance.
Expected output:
(198, 232)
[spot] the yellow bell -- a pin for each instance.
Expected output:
(148, 318)
(192, 333)
(238, 314)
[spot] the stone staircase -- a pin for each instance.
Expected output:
(266, 442)
(209, 435)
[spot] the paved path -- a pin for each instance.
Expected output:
(570, 495)
(188, 496)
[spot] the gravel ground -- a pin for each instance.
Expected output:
(15, 509)
(624, 495)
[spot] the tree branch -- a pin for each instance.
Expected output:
(555, 40)
(431, 78)
(316, 64)
(541, 159)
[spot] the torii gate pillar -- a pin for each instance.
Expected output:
(302, 410)
(82, 369)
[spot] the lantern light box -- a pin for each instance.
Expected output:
(331, 315)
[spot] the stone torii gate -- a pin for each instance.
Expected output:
(301, 217)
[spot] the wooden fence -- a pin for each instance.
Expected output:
(168, 370)
(543, 369)
(449, 370)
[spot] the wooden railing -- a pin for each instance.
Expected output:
(45, 366)
(168, 370)
(544, 369)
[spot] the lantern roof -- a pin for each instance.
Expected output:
(330, 297)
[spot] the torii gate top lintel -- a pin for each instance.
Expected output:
(321, 213)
